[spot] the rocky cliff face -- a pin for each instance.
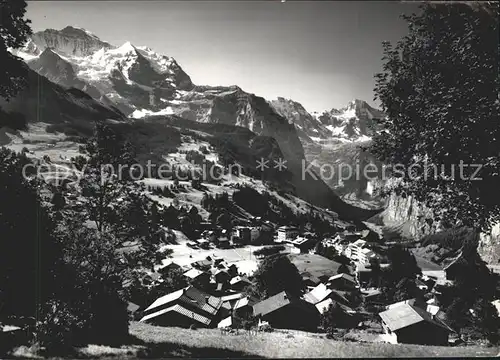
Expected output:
(489, 245)
(355, 122)
(412, 220)
(308, 127)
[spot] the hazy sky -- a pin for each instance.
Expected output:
(319, 53)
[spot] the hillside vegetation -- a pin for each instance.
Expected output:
(160, 342)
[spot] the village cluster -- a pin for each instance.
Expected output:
(216, 296)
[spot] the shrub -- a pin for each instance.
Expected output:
(79, 162)
(13, 120)
(59, 326)
(269, 250)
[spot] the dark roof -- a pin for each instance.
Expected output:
(342, 276)
(405, 315)
(308, 276)
(189, 296)
(179, 309)
(271, 304)
(318, 294)
(132, 307)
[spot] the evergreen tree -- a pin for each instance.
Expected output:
(277, 273)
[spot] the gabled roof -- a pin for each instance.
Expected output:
(189, 296)
(319, 293)
(232, 297)
(285, 228)
(300, 240)
(241, 303)
(399, 303)
(238, 279)
(168, 263)
(193, 273)
(433, 309)
(271, 304)
(344, 276)
(308, 276)
(359, 243)
(406, 315)
(324, 305)
(180, 310)
(227, 322)
(166, 299)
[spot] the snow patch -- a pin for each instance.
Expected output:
(140, 113)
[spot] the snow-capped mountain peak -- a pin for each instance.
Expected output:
(69, 41)
(309, 128)
(354, 122)
(126, 49)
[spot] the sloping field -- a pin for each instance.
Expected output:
(159, 342)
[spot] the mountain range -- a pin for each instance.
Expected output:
(76, 78)
(142, 84)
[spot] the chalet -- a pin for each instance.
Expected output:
(318, 294)
(242, 235)
(238, 283)
(433, 309)
(202, 265)
(243, 306)
(441, 285)
(183, 308)
(413, 302)
(309, 279)
(301, 245)
(283, 311)
(232, 270)
(287, 233)
(342, 282)
(227, 322)
(222, 276)
(231, 297)
(218, 288)
(412, 325)
(168, 265)
(372, 296)
(238, 309)
(325, 304)
(198, 278)
(341, 297)
(223, 243)
(237, 303)
(265, 234)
